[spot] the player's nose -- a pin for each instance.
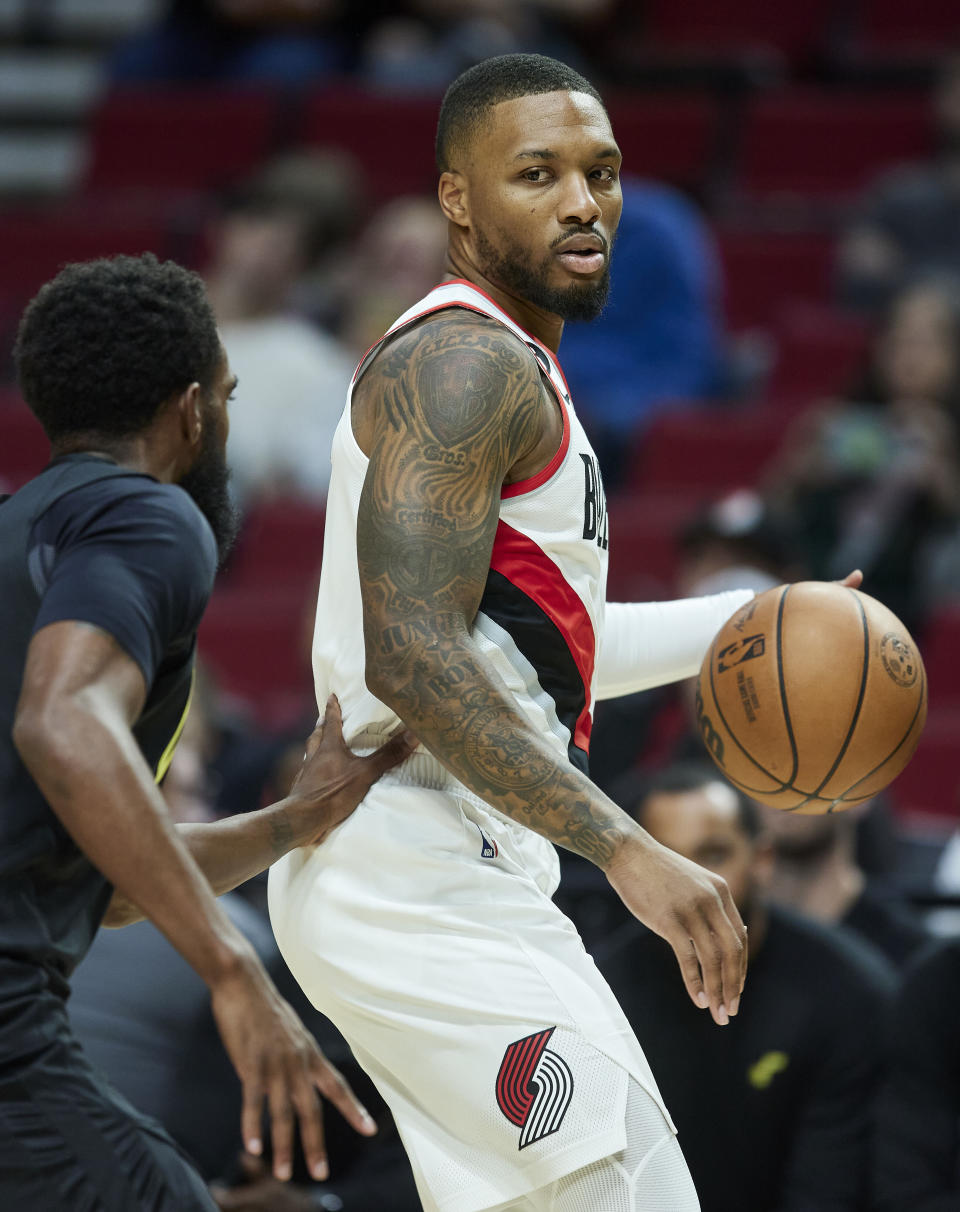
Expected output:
(577, 203)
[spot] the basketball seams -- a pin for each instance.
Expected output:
(864, 672)
(784, 705)
(782, 786)
(921, 706)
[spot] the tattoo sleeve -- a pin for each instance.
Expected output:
(457, 402)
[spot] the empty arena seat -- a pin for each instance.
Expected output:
(256, 643)
(643, 544)
(817, 144)
(930, 784)
(764, 271)
(280, 545)
(925, 26)
(703, 452)
(180, 138)
(796, 30)
(669, 137)
(391, 137)
(35, 246)
(940, 648)
(819, 351)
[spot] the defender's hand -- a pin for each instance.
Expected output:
(276, 1059)
(332, 781)
(693, 910)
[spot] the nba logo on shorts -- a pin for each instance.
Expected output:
(534, 1087)
(489, 848)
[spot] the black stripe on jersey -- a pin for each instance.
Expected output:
(540, 640)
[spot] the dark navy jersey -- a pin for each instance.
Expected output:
(92, 542)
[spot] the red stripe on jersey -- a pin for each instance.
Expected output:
(530, 569)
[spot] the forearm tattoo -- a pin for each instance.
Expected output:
(458, 402)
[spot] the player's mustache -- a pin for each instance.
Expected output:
(582, 231)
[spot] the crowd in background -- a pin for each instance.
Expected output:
(838, 1086)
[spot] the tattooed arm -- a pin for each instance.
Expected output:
(446, 414)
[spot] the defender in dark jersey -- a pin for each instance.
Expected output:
(107, 559)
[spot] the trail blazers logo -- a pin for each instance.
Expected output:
(534, 1087)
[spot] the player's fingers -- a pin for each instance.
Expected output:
(728, 930)
(393, 751)
(686, 954)
(310, 1114)
(335, 1088)
(281, 1128)
(853, 580)
(251, 1117)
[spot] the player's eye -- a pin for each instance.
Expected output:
(536, 175)
(604, 174)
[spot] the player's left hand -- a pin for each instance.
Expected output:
(332, 781)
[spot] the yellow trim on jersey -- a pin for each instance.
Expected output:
(167, 756)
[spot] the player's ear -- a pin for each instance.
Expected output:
(452, 192)
(190, 412)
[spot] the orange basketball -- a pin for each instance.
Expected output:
(812, 697)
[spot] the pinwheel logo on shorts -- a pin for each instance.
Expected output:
(534, 1087)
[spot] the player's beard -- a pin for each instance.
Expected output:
(207, 482)
(512, 266)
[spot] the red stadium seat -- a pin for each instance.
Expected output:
(930, 785)
(940, 648)
(24, 449)
(391, 137)
(703, 452)
(925, 26)
(35, 246)
(819, 352)
(813, 144)
(180, 138)
(670, 138)
(797, 30)
(255, 642)
(643, 544)
(281, 545)
(766, 270)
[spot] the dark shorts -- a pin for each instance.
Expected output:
(70, 1143)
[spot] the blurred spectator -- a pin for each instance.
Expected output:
(816, 873)
(400, 256)
(917, 1155)
(273, 233)
(255, 41)
(909, 222)
(143, 1017)
(773, 1109)
(874, 479)
(424, 44)
(659, 341)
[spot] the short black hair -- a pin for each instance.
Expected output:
(678, 779)
(503, 78)
(105, 343)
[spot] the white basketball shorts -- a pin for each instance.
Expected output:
(423, 928)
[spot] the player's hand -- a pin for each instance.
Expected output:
(277, 1060)
(693, 910)
(260, 1192)
(853, 580)
(332, 781)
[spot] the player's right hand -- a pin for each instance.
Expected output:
(277, 1060)
(332, 780)
(693, 910)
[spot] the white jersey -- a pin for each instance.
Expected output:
(423, 926)
(541, 613)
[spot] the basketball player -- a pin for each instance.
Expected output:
(107, 559)
(463, 592)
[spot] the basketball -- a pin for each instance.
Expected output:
(812, 697)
